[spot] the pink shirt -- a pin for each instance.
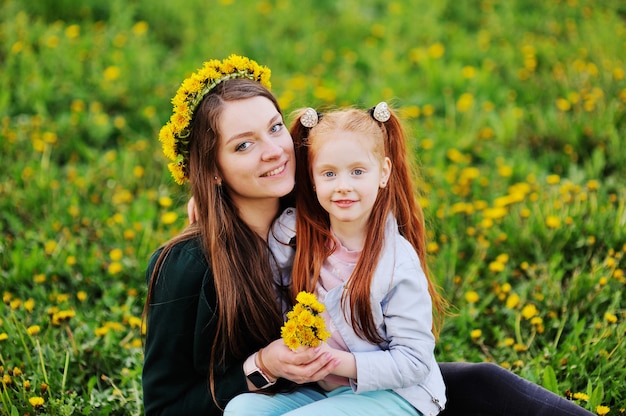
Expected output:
(336, 270)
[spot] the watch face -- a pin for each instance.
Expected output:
(258, 379)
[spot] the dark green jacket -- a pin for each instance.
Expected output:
(181, 327)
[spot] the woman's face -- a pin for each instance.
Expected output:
(255, 154)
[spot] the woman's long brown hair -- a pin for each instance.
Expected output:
(248, 313)
(400, 197)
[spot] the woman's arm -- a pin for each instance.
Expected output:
(179, 337)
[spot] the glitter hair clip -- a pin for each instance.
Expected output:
(310, 118)
(380, 112)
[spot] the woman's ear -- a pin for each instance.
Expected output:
(385, 172)
(192, 214)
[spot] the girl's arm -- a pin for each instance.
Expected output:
(404, 313)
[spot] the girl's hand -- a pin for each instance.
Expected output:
(302, 366)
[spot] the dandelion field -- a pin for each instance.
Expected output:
(517, 110)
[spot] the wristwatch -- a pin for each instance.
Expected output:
(257, 377)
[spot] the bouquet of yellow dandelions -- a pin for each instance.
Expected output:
(305, 326)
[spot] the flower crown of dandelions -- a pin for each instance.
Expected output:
(174, 135)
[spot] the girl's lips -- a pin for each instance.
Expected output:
(276, 171)
(344, 203)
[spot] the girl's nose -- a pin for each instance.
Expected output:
(343, 184)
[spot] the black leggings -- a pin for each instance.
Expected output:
(486, 389)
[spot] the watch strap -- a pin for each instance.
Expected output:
(256, 376)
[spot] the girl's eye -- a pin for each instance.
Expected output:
(328, 174)
(242, 146)
(358, 171)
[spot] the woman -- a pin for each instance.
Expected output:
(217, 291)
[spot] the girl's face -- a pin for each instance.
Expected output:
(347, 176)
(255, 154)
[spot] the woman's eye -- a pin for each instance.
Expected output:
(242, 146)
(276, 127)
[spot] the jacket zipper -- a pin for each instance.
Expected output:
(432, 397)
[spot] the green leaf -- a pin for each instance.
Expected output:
(549, 379)
(595, 399)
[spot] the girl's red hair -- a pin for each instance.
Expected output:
(400, 198)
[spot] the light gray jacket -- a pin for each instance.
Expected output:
(402, 310)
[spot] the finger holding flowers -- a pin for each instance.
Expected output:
(307, 364)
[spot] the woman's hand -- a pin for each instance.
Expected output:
(302, 366)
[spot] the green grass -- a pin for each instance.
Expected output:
(518, 114)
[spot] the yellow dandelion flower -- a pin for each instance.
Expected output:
(180, 119)
(292, 342)
(59, 317)
(496, 266)
(111, 73)
(465, 102)
(116, 254)
(519, 347)
(602, 410)
(134, 322)
(472, 296)
(29, 305)
(610, 318)
(115, 326)
(563, 104)
(304, 325)
(177, 172)
(4, 336)
(50, 246)
(512, 301)
(101, 331)
(169, 218)
(33, 329)
(529, 311)
(115, 267)
(495, 213)
(436, 50)
(140, 28)
(432, 247)
(36, 402)
(553, 221)
(166, 136)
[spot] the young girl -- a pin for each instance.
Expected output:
(354, 189)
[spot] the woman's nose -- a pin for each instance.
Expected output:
(271, 149)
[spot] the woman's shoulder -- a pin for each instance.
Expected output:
(184, 267)
(189, 250)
